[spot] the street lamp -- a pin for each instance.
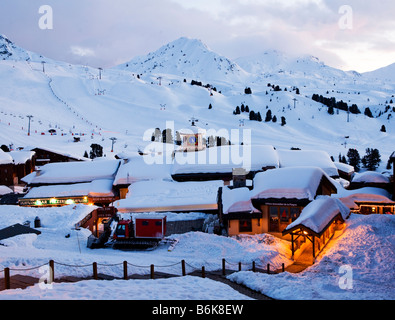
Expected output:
(28, 131)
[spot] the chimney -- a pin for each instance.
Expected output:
(239, 176)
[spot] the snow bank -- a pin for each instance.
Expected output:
(59, 217)
(364, 253)
(182, 288)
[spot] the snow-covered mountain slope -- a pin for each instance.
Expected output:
(189, 58)
(128, 102)
(276, 62)
(386, 73)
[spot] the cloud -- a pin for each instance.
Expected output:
(103, 33)
(82, 52)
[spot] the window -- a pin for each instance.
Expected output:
(158, 223)
(245, 225)
(284, 214)
(281, 216)
(295, 213)
(145, 223)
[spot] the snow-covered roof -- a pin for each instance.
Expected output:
(66, 154)
(314, 158)
(192, 130)
(344, 167)
(370, 177)
(5, 157)
(96, 188)
(319, 213)
(224, 159)
(5, 190)
(351, 198)
(21, 157)
(140, 168)
(291, 183)
(237, 200)
(162, 196)
(76, 172)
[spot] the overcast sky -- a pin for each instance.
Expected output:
(104, 33)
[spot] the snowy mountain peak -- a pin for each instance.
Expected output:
(6, 47)
(10, 51)
(185, 57)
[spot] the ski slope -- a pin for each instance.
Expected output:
(134, 98)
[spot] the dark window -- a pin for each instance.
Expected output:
(145, 223)
(245, 225)
(158, 223)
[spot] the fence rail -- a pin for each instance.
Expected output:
(152, 269)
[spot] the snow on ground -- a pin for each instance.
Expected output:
(363, 254)
(366, 246)
(182, 288)
(67, 247)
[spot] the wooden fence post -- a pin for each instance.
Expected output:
(203, 272)
(183, 267)
(95, 270)
(223, 267)
(239, 266)
(268, 268)
(152, 271)
(51, 271)
(125, 270)
(253, 266)
(283, 267)
(7, 283)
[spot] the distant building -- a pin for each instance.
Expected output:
(59, 184)
(192, 138)
(14, 166)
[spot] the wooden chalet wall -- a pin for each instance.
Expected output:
(7, 174)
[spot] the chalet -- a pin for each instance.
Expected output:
(140, 168)
(282, 194)
(24, 164)
(237, 213)
(317, 223)
(170, 196)
(58, 184)
(346, 171)
(14, 166)
(276, 200)
(370, 179)
(218, 163)
(45, 156)
(311, 158)
(368, 200)
(7, 173)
